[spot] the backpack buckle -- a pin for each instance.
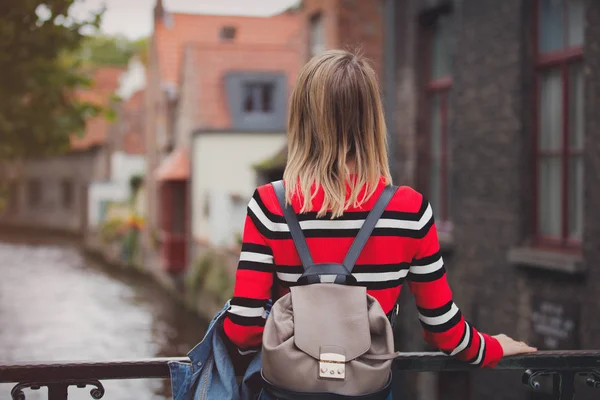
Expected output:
(332, 366)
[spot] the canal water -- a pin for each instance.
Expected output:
(57, 304)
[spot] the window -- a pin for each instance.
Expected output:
(228, 33)
(13, 197)
(559, 122)
(316, 37)
(438, 83)
(258, 97)
(34, 193)
(66, 193)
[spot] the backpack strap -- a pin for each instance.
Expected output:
(365, 231)
(294, 225)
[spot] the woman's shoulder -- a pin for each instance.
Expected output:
(407, 199)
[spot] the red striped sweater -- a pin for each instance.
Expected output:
(403, 247)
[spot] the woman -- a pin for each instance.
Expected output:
(337, 167)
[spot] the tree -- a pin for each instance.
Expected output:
(106, 51)
(39, 106)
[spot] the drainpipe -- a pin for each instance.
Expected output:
(389, 80)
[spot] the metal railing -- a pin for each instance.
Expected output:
(563, 367)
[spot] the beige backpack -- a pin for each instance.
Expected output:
(328, 338)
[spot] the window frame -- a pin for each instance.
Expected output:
(313, 20)
(67, 193)
(430, 88)
(562, 60)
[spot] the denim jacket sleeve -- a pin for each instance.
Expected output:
(210, 374)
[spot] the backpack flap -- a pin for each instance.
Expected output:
(331, 324)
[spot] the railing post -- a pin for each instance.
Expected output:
(58, 391)
(564, 385)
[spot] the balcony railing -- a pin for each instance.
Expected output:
(563, 367)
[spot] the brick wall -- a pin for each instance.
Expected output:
(350, 25)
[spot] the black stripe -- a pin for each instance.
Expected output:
(471, 332)
(248, 302)
(474, 358)
(382, 284)
(435, 312)
(443, 327)
(270, 215)
(347, 216)
(360, 268)
(289, 269)
(430, 277)
(246, 321)
(369, 285)
(256, 266)
(459, 342)
(427, 260)
(342, 233)
(257, 248)
(252, 348)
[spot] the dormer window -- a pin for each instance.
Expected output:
(258, 97)
(228, 33)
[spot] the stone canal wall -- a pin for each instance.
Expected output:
(203, 287)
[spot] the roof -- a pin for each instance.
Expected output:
(211, 64)
(175, 167)
(105, 83)
(176, 30)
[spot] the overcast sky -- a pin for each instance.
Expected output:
(133, 18)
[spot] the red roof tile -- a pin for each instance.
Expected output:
(175, 167)
(106, 81)
(212, 63)
(176, 30)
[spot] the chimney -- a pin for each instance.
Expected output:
(159, 10)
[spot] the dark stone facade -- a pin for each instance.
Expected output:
(492, 184)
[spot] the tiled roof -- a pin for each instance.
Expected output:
(175, 167)
(176, 30)
(106, 81)
(212, 63)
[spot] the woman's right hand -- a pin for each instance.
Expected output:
(511, 347)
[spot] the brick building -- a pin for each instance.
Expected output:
(52, 193)
(493, 119)
(229, 75)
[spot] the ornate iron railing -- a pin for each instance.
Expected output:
(564, 367)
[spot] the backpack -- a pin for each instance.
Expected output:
(328, 338)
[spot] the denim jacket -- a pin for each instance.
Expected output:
(210, 374)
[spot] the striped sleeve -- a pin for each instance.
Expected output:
(246, 317)
(443, 323)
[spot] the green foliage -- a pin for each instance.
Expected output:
(112, 51)
(38, 108)
(112, 230)
(142, 49)
(135, 182)
(100, 50)
(209, 275)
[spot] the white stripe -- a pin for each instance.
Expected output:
(246, 352)
(247, 311)
(360, 277)
(256, 257)
(465, 342)
(427, 269)
(442, 319)
(340, 224)
(481, 347)
(380, 276)
(327, 278)
(284, 276)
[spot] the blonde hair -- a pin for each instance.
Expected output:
(336, 118)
